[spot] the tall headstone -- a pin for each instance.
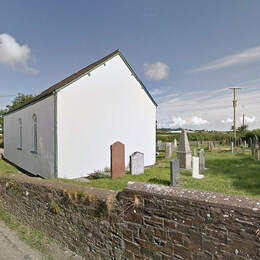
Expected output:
(137, 163)
(117, 151)
(168, 150)
(174, 171)
(195, 168)
(250, 142)
(175, 143)
(256, 154)
(202, 159)
(184, 152)
(232, 147)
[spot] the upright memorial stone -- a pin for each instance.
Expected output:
(256, 154)
(137, 163)
(175, 171)
(195, 168)
(232, 147)
(202, 160)
(250, 142)
(117, 151)
(168, 150)
(184, 152)
(175, 143)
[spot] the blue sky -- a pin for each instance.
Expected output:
(187, 53)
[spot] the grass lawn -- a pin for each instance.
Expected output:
(228, 173)
(7, 168)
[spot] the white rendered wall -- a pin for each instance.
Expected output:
(41, 163)
(98, 110)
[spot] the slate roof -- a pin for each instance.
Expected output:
(74, 76)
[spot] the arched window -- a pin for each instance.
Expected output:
(20, 133)
(34, 118)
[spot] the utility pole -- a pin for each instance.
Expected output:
(234, 119)
(243, 119)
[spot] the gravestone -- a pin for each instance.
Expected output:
(256, 154)
(202, 160)
(175, 143)
(244, 143)
(250, 142)
(174, 171)
(195, 168)
(117, 151)
(184, 152)
(168, 150)
(137, 163)
(232, 147)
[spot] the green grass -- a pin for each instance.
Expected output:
(34, 238)
(6, 168)
(228, 173)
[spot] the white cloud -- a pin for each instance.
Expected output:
(228, 120)
(243, 57)
(195, 120)
(215, 107)
(177, 121)
(156, 71)
(248, 119)
(14, 55)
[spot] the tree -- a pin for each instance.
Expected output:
(18, 100)
(242, 130)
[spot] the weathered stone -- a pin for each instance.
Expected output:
(184, 152)
(195, 168)
(175, 143)
(202, 160)
(232, 147)
(168, 150)
(174, 170)
(117, 150)
(137, 163)
(256, 154)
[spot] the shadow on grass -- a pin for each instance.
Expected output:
(159, 181)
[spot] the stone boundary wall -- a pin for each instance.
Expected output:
(144, 221)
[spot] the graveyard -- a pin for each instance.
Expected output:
(230, 173)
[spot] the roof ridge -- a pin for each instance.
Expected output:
(65, 81)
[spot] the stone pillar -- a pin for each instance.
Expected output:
(232, 147)
(184, 152)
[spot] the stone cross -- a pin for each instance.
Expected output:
(168, 150)
(202, 159)
(137, 163)
(195, 168)
(174, 171)
(184, 152)
(117, 151)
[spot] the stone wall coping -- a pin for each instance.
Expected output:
(213, 198)
(59, 185)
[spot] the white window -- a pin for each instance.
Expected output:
(35, 145)
(20, 134)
